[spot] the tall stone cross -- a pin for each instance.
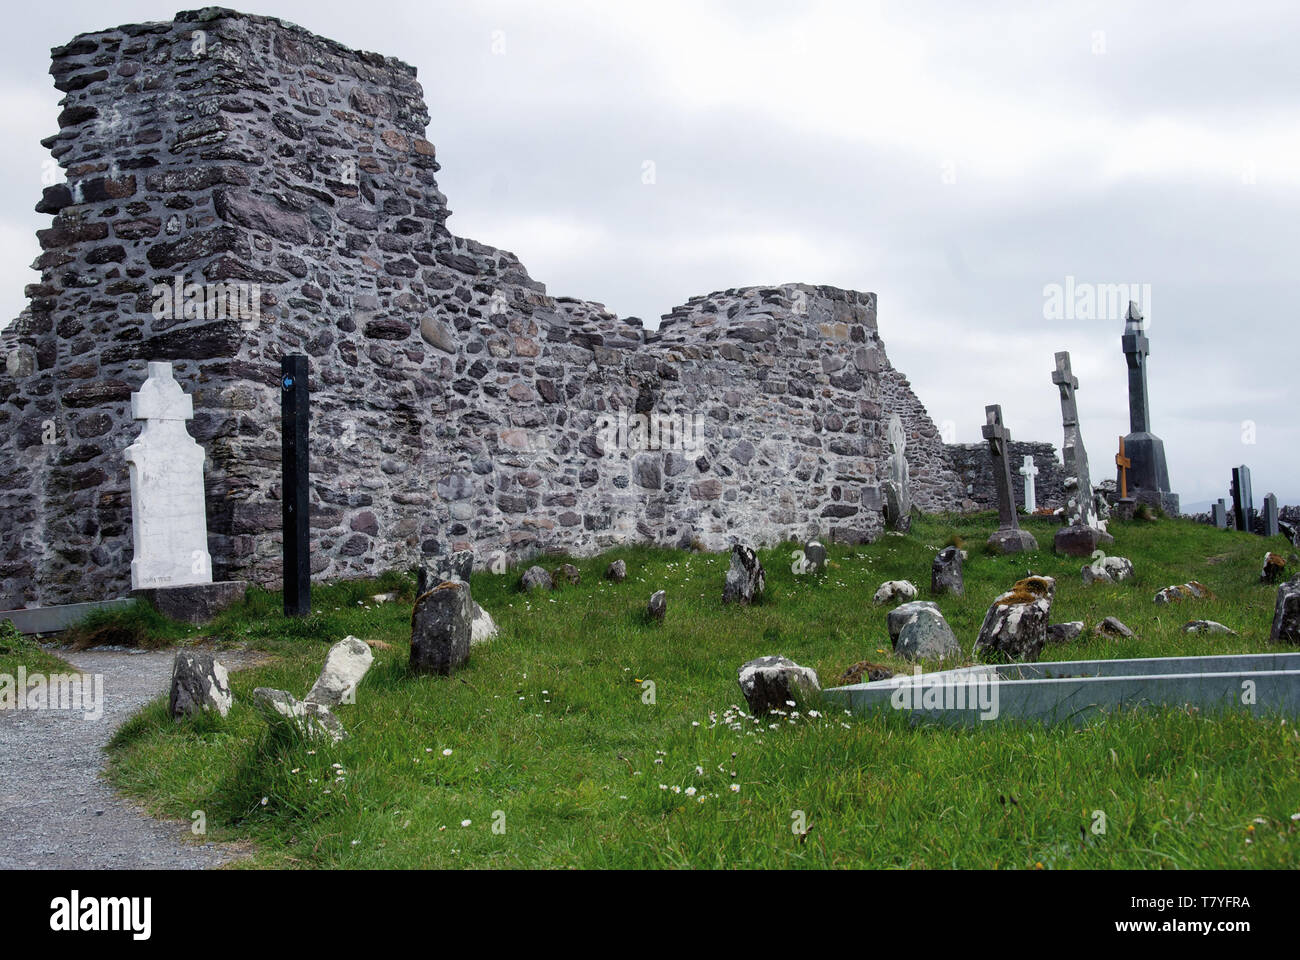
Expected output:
(1029, 471)
(168, 511)
(1123, 463)
(1009, 538)
(1072, 452)
(1148, 474)
(1136, 347)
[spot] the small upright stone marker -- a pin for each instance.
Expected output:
(1219, 513)
(1270, 516)
(1029, 471)
(1008, 537)
(897, 489)
(1243, 501)
(946, 573)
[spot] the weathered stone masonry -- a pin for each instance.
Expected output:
(455, 404)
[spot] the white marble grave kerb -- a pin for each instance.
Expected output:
(168, 512)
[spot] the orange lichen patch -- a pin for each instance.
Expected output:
(1274, 560)
(1199, 589)
(873, 671)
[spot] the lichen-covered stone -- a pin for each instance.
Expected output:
(746, 578)
(345, 665)
(442, 626)
(1107, 570)
(925, 635)
(1015, 626)
(199, 684)
(1064, 632)
(1112, 627)
(657, 607)
(1286, 614)
(1191, 590)
(777, 683)
(536, 578)
(946, 572)
(616, 572)
(892, 591)
(312, 721)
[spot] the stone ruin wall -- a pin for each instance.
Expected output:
(974, 468)
(455, 405)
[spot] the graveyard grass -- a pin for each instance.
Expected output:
(543, 752)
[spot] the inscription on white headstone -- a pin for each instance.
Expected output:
(168, 515)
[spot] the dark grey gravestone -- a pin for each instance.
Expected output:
(1270, 516)
(1243, 501)
(441, 627)
(1148, 476)
(1219, 512)
(946, 572)
(1008, 538)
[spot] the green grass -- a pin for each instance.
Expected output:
(553, 744)
(19, 651)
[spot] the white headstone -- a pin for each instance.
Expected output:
(1029, 471)
(168, 514)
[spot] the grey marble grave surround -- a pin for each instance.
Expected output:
(1078, 690)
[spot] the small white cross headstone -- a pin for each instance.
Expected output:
(168, 512)
(1029, 471)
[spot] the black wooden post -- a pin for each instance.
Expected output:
(294, 413)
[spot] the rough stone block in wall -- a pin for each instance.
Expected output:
(974, 468)
(238, 190)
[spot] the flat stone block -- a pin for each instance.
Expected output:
(1013, 540)
(195, 603)
(1076, 541)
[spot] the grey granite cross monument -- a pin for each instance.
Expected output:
(1148, 476)
(1083, 530)
(1008, 538)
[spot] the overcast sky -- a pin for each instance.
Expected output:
(954, 158)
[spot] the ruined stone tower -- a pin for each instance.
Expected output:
(239, 189)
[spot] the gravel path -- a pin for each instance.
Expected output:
(55, 810)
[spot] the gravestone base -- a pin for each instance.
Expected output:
(1124, 508)
(1080, 540)
(1012, 540)
(194, 603)
(1168, 502)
